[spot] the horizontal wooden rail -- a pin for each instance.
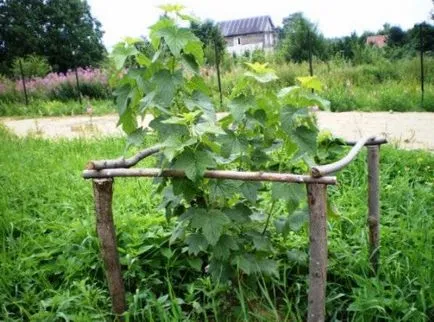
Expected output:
(216, 174)
(322, 170)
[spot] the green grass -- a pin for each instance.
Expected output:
(51, 271)
(383, 86)
(38, 108)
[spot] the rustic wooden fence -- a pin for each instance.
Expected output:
(103, 172)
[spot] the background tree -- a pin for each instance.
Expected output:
(396, 36)
(214, 46)
(298, 33)
(63, 31)
(210, 35)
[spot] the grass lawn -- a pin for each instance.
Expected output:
(51, 271)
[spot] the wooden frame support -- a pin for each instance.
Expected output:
(317, 201)
(103, 193)
(374, 205)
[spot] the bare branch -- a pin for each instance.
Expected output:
(322, 170)
(121, 162)
(216, 174)
(372, 141)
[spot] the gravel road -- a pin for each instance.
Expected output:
(406, 130)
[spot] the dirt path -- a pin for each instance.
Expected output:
(406, 130)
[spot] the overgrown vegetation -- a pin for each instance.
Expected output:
(51, 269)
(40, 108)
(379, 85)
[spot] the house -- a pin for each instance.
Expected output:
(248, 34)
(378, 41)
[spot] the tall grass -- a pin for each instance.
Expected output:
(51, 270)
(381, 86)
(39, 108)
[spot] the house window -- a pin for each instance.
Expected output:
(239, 41)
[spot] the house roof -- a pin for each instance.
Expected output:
(245, 26)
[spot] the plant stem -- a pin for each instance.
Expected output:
(269, 216)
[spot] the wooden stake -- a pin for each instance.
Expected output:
(317, 201)
(24, 81)
(103, 193)
(374, 206)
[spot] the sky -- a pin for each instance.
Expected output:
(334, 18)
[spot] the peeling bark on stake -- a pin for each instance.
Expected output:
(374, 206)
(317, 201)
(103, 193)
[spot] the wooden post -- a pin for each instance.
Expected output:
(24, 81)
(309, 39)
(78, 85)
(317, 201)
(217, 64)
(103, 193)
(422, 76)
(374, 205)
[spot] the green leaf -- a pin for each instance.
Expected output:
(195, 49)
(175, 8)
(196, 243)
(190, 63)
(258, 216)
(262, 78)
(167, 252)
(249, 190)
(219, 270)
(293, 194)
(291, 117)
(172, 131)
(175, 144)
(154, 33)
(176, 38)
(239, 214)
(297, 220)
(185, 187)
(136, 138)
(204, 103)
(195, 263)
(121, 52)
(178, 233)
(249, 264)
(232, 144)
(260, 242)
(143, 60)
(297, 256)
(128, 120)
(305, 138)
(222, 250)
(123, 96)
(291, 90)
(314, 99)
(223, 188)
(166, 84)
(260, 68)
(196, 83)
(311, 82)
(239, 106)
(282, 226)
(194, 163)
(211, 224)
